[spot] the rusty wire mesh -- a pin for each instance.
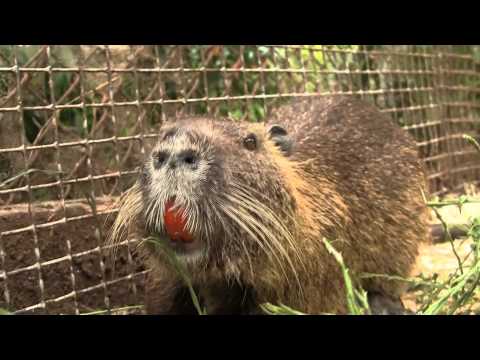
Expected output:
(76, 120)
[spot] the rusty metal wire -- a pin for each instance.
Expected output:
(76, 120)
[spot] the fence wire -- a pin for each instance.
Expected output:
(76, 120)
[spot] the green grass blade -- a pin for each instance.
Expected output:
(271, 309)
(353, 295)
(5, 312)
(176, 263)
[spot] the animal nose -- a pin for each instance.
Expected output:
(186, 158)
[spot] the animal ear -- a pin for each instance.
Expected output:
(275, 130)
(279, 135)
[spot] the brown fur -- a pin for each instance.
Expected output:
(353, 177)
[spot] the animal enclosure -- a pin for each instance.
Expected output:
(75, 122)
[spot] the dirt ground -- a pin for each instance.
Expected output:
(85, 235)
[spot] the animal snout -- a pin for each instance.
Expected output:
(184, 159)
(187, 158)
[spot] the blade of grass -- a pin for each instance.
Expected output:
(459, 202)
(126, 308)
(176, 263)
(449, 238)
(460, 283)
(413, 281)
(472, 141)
(271, 309)
(352, 294)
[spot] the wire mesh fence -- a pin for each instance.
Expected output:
(75, 122)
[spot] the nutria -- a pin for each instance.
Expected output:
(252, 202)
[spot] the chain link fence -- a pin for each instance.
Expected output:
(76, 120)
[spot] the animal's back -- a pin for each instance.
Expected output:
(376, 175)
(351, 139)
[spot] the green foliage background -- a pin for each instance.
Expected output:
(242, 82)
(325, 65)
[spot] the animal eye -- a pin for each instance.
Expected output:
(159, 158)
(250, 142)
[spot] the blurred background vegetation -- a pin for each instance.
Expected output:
(243, 82)
(324, 65)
